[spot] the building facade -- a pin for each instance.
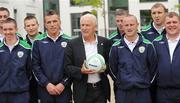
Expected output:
(70, 12)
(19, 9)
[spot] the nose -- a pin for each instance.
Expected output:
(31, 27)
(156, 14)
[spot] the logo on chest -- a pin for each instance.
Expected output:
(63, 44)
(20, 54)
(141, 49)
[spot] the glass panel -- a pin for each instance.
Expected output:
(113, 5)
(30, 14)
(51, 4)
(152, 0)
(145, 17)
(75, 23)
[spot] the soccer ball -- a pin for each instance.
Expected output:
(95, 62)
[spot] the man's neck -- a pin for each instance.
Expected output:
(158, 26)
(32, 37)
(11, 42)
(90, 38)
(131, 38)
(53, 35)
(173, 37)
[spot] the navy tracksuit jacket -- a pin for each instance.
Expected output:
(133, 69)
(48, 67)
(15, 67)
(48, 59)
(115, 36)
(168, 73)
(150, 33)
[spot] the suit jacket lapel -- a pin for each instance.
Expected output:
(100, 46)
(81, 49)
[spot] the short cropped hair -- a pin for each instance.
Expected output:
(10, 20)
(156, 5)
(5, 9)
(51, 12)
(121, 12)
(172, 14)
(30, 17)
(130, 15)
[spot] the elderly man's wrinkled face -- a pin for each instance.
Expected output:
(88, 26)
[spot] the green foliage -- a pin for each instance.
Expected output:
(94, 12)
(178, 6)
(94, 3)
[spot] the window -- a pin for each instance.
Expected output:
(51, 5)
(152, 0)
(30, 14)
(112, 24)
(145, 17)
(75, 22)
(15, 14)
(113, 5)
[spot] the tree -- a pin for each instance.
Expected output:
(93, 3)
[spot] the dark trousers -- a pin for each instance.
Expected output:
(45, 97)
(94, 94)
(133, 96)
(168, 95)
(22, 97)
(33, 90)
(153, 91)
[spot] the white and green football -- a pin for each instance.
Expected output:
(95, 62)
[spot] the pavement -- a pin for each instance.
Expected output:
(112, 91)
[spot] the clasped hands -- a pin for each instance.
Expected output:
(55, 89)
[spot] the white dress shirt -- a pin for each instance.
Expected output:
(131, 44)
(11, 46)
(172, 45)
(91, 48)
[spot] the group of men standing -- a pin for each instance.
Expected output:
(143, 65)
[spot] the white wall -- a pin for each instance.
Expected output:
(135, 6)
(36, 7)
(23, 7)
(65, 13)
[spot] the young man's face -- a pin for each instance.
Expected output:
(158, 15)
(31, 26)
(3, 16)
(9, 30)
(119, 22)
(130, 26)
(172, 25)
(52, 24)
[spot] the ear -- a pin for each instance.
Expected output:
(96, 28)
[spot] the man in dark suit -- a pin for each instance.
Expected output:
(89, 86)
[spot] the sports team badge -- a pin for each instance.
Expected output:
(141, 49)
(20, 54)
(63, 44)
